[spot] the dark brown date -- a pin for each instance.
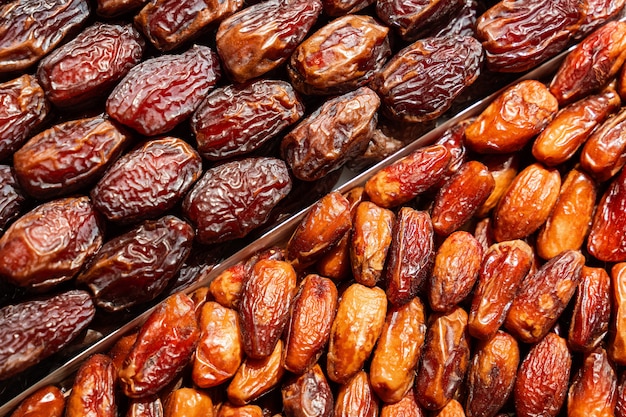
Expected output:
(33, 330)
(169, 24)
(161, 92)
(238, 119)
(422, 80)
(94, 389)
(343, 55)
(518, 35)
(147, 181)
(115, 8)
(45, 402)
(164, 346)
(11, 197)
(50, 244)
(24, 109)
(137, 266)
(88, 66)
(593, 389)
(68, 157)
(333, 134)
(342, 7)
(31, 29)
(234, 198)
(308, 395)
(262, 36)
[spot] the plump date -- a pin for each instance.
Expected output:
(161, 92)
(87, 67)
(617, 339)
(422, 80)
(147, 181)
(115, 8)
(24, 109)
(31, 29)
(234, 198)
(341, 56)
(343, 7)
(603, 154)
(93, 390)
(262, 36)
(308, 395)
(187, 402)
(336, 132)
(594, 387)
(33, 330)
(47, 401)
(356, 398)
(69, 156)
(50, 244)
(238, 119)
(137, 266)
(12, 198)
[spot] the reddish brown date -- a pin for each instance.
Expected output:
(262, 36)
(147, 181)
(342, 7)
(31, 29)
(50, 244)
(24, 109)
(341, 56)
(33, 330)
(308, 395)
(169, 24)
(68, 157)
(604, 153)
(518, 35)
(410, 256)
(12, 198)
(137, 266)
(503, 168)
(333, 134)
(163, 347)
(617, 335)
(422, 80)
(238, 119)
(593, 390)
(148, 407)
(356, 398)
(87, 67)
(229, 410)
(234, 198)
(45, 402)
(114, 8)
(406, 407)
(161, 92)
(94, 389)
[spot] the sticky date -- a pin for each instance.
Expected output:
(93, 391)
(47, 401)
(12, 198)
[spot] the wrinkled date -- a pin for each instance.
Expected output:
(187, 402)
(68, 157)
(33, 330)
(503, 168)
(147, 181)
(11, 197)
(594, 387)
(137, 266)
(341, 56)
(421, 81)
(617, 340)
(238, 119)
(308, 395)
(356, 398)
(47, 401)
(93, 391)
(114, 8)
(234, 198)
(603, 154)
(161, 92)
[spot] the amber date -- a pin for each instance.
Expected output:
(620, 406)
(238, 119)
(503, 169)
(33, 28)
(12, 198)
(593, 390)
(343, 55)
(161, 92)
(49, 244)
(188, 402)
(137, 266)
(518, 34)
(421, 81)
(93, 390)
(333, 134)
(604, 153)
(163, 347)
(262, 36)
(229, 410)
(592, 63)
(234, 198)
(542, 378)
(169, 24)
(356, 398)
(45, 402)
(24, 109)
(410, 256)
(264, 306)
(617, 339)
(406, 407)
(33, 330)
(68, 157)
(147, 181)
(308, 395)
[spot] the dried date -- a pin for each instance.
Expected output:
(617, 339)
(188, 402)
(503, 168)
(229, 410)
(115, 8)
(308, 395)
(93, 390)
(407, 407)
(356, 398)
(343, 7)
(604, 153)
(12, 199)
(45, 402)
(593, 389)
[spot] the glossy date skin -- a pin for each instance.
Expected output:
(12, 198)
(93, 391)
(161, 92)
(45, 402)
(31, 29)
(308, 395)
(87, 67)
(69, 156)
(49, 244)
(33, 330)
(356, 398)
(24, 109)
(617, 339)
(603, 154)
(593, 389)
(238, 119)
(216, 203)
(259, 38)
(137, 266)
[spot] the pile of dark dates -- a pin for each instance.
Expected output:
(142, 141)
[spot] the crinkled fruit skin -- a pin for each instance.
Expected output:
(236, 197)
(308, 394)
(12, 198)
(94, 389)
(163, 91)
(33, 330)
